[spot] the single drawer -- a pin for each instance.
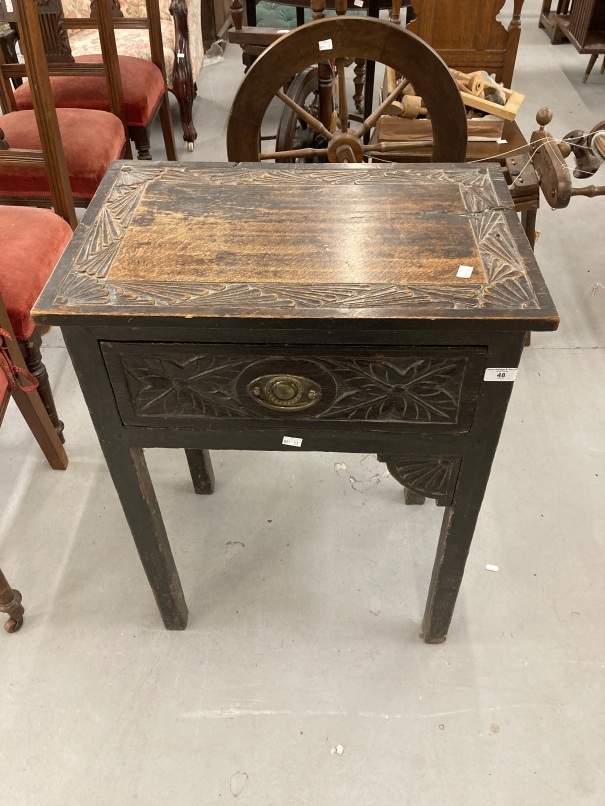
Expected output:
(374, 389)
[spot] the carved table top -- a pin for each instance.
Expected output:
(285, 242)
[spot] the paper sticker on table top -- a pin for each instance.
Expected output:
(325, 44)
(464, 271)
(500, 374)
(295, 442)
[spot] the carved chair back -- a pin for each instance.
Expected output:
(60, 61)
(126, 8)
(56, 18)
(132, 14)
(468, 36)
(51, 156)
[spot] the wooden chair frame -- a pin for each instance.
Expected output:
(480, 55)
(29, 20)
(58, 51)
(36, 416)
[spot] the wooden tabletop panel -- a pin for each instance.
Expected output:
(290, 242)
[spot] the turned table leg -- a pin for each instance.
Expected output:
(202, 474)
(10, 603)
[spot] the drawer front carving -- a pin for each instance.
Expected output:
(164, 384)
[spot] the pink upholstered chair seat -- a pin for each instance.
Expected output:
(141, 81)
(91, 141)
(33, 240)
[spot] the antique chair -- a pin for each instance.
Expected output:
(143, 82)
(34, 239)
(468, 36)
(182, 38)
(91, 139)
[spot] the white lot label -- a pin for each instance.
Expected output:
(325, 44)
(500, 374)
(284, 31)
(464, 271)
(295, 442)
(501, 142)
(9, 5)
(180, 55)
(358, 3)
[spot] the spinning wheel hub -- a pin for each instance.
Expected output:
(345, 147)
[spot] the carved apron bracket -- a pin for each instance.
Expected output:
(424, 478)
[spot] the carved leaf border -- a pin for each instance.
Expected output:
(507, 286)
(409, 389)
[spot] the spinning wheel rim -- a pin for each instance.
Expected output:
(371, 39)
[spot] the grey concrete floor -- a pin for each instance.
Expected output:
(306, 578)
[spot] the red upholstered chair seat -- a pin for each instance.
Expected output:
(33, 240)
(142, 83)
(91, 141)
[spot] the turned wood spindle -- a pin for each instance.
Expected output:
(237, 14)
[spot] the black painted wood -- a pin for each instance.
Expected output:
(202, 473)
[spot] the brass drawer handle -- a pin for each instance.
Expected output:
(289, 392)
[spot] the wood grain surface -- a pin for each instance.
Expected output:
(283, 241)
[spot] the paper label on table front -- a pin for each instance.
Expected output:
(295, 442)
(500, 374)
(358, 3)
(464, 271)
(325, 44)
(9, 5)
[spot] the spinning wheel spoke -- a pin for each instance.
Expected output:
(381, 148)
(343, 108)
(371, 121)
(302, 113)
(299, 153)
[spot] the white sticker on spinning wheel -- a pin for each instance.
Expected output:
(325, 44)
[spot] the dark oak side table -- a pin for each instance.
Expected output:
(300, 308)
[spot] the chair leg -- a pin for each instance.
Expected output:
(33, 361)
(10, 603)
(167, 130)
(183, 92)
(140, 136)
(591, 64)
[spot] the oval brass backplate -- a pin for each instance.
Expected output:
(285, 392)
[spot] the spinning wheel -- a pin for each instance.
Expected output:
(328, 119)
(294, 133)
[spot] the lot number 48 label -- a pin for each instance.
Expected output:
(500, 374)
